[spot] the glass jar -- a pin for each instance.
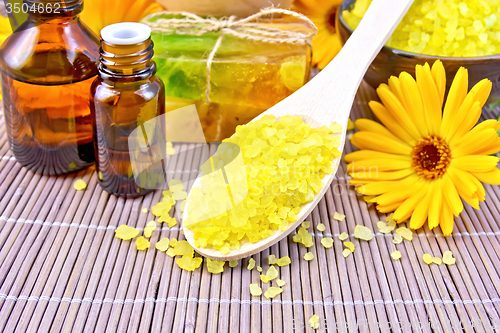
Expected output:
(48, 65)
(126, 96)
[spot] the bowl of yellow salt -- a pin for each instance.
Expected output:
(460, 34)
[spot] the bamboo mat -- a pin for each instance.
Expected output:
(62, 269)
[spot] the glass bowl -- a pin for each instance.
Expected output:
(390, 62)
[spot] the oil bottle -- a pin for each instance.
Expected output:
(125, 96)
(48, 65)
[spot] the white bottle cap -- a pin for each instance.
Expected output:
(125, 33)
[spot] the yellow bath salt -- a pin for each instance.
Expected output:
(188, 263)
(272, 292)
(272, 273)
(346, 253)
(336, 128)
(233, 263)
(452, 28)
(170, 148)
(214, 266)
(308, 256)
(339, 217)
(306, 224)
(173, 242)
(255, 290)
(150, 227)
(448, 258)
(171, 252)
(321, 227)
(142, 243)
(80, 185)
(427, 258)
(327, 242)
(283, 261)
(264, 278)
(303, 237)
(251, 264)
(183, 206)
(343, 236)
(396, 255)
(272, 259)
(171, 221)
(280, 283)
(350, 246)
(162, 208)
(72, 165)
(125, 232)
(162, 244)
(285, 162)
(398, 239)
(384, 228)
(437, 260)
(183, 248)
(175, 185)
(144, 210)
(405, 233)
(99, 174)
(362, 232)
(259, 269)
(314, 322)
(181, 195)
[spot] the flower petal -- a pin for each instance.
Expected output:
(431, 98)
(406, 209)
(475, 163)
(388, 208)
(462, 181)
(491, 177)
(396, 109)
(390, 122)
(379, 175)
(420, 213)
(456, 96)
(451, 195)
(372, 154)
(413, 102)
(476, 143)
(439, 76)
(376, 141)
(436, 203)
(401, 194)
(378, 164)
(447, 220)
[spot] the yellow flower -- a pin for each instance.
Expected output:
(99, 13)
(326, 44)
(425, 160)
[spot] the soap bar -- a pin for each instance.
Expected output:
(246, 76)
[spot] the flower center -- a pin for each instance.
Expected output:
(431, 156)
(330, 19)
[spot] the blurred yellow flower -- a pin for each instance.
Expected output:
(99, 13)
(326, 44)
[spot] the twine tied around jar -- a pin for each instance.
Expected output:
(249, 28)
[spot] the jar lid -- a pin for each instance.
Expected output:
(126, 33)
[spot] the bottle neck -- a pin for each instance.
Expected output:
(130, 61)
(50, 9)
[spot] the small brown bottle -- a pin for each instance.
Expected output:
(48, 65)
(126, 95)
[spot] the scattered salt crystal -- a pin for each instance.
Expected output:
(362, 232)
(255, 290)
(448, 258)
(251, 264)
(405, 233)
(343, 236)
(327, 242)
(427, 258)
(396, 255)
(339, 217)
(272, 292)
(321, 227)
(308, 256)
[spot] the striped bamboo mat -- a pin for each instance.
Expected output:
(62, 269)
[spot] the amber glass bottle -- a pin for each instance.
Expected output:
(48, 65)
(126, 95)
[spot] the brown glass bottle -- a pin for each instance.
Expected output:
(48, 65)
(125, 95)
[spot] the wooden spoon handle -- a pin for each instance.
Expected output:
(345, 73)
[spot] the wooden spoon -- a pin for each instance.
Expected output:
(325, 99)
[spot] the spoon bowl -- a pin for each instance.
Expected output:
(325, 99)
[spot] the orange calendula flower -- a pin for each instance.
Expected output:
(422, 161)
(327, 43)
